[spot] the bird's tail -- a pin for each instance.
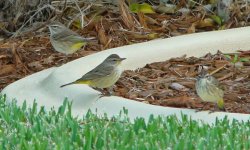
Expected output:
(220, 104)
(67, 84)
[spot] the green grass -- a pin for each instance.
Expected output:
(28, 128)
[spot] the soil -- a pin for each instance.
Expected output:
(172, 82)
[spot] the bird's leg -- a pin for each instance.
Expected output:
(224, 109)
(100, 90)
(220, 109)
(110, 90)
(67, 58)
(107, 92)
(216, 108)
(103, 92)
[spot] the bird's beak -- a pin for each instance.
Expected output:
(121, 59)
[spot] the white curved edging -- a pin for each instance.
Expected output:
(44, 86)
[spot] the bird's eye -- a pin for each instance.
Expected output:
(54, 27)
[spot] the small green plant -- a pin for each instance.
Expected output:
(143, 8)
(235, 58)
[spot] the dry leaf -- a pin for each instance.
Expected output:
(142, 8)
(207, 22)
(126, 16)
(192, 28)
(6, 69)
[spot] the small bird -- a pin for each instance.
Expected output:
(65, 40)
(105, 75)
(209, 90)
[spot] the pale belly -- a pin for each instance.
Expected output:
(107, 81)
(209, 94)
(65, 48)
(209, 98)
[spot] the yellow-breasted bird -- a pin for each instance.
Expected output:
(209, 89)
(65, 40)
(104, 75)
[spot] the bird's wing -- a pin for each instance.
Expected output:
(67, 35)
(98, 72)
(216, 83)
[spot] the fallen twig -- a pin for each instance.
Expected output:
(218, 69)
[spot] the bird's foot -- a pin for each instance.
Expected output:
(105, 93)
(216, 108)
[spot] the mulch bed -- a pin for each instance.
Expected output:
(22, 57)
(169, 83)
(112, 26)
(172, 82)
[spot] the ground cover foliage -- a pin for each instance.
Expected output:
(27, 127)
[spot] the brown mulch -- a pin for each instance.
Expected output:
(112, 27)
(172, 82)
(22, 57)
